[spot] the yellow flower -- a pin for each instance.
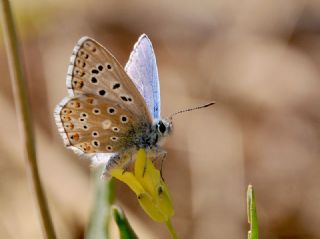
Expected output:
(152, 193)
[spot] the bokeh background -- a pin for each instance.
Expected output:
(259, 60)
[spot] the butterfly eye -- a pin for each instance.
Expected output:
(161, 127)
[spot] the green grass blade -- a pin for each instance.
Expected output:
(101, 211)
(252, 214)
(125, 230)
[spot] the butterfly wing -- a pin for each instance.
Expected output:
(94, 70)
(93, 125)
(92, 121)
(142, 69)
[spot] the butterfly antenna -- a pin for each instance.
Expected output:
(191, 109)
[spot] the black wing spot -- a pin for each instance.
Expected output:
(109, 67)
(94, 80)
(85, 115)
(95, 71)
(96, 143)
(115, 129)
(124, 119)
(100, 67)
(111, 110)
(96, 111)
(116, 86)
(124, 98)
(102, 92)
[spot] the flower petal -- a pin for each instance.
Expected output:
(129, 179)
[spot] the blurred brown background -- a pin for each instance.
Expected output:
(258, 59)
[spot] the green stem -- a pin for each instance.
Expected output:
(171, 229)
(24, 116)
(98, 226)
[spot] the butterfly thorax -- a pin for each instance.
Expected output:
(145, 135)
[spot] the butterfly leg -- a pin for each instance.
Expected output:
(128, 161)
(163, 156)
(115, 161)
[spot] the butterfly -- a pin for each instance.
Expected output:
(112, 111)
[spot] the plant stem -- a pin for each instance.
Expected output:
(171, 229)
(23, 112)
(98, 227)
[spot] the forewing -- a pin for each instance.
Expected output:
(92, 124)
(142, 69)
(94, 70)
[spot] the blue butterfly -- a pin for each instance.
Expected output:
(112, 112)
